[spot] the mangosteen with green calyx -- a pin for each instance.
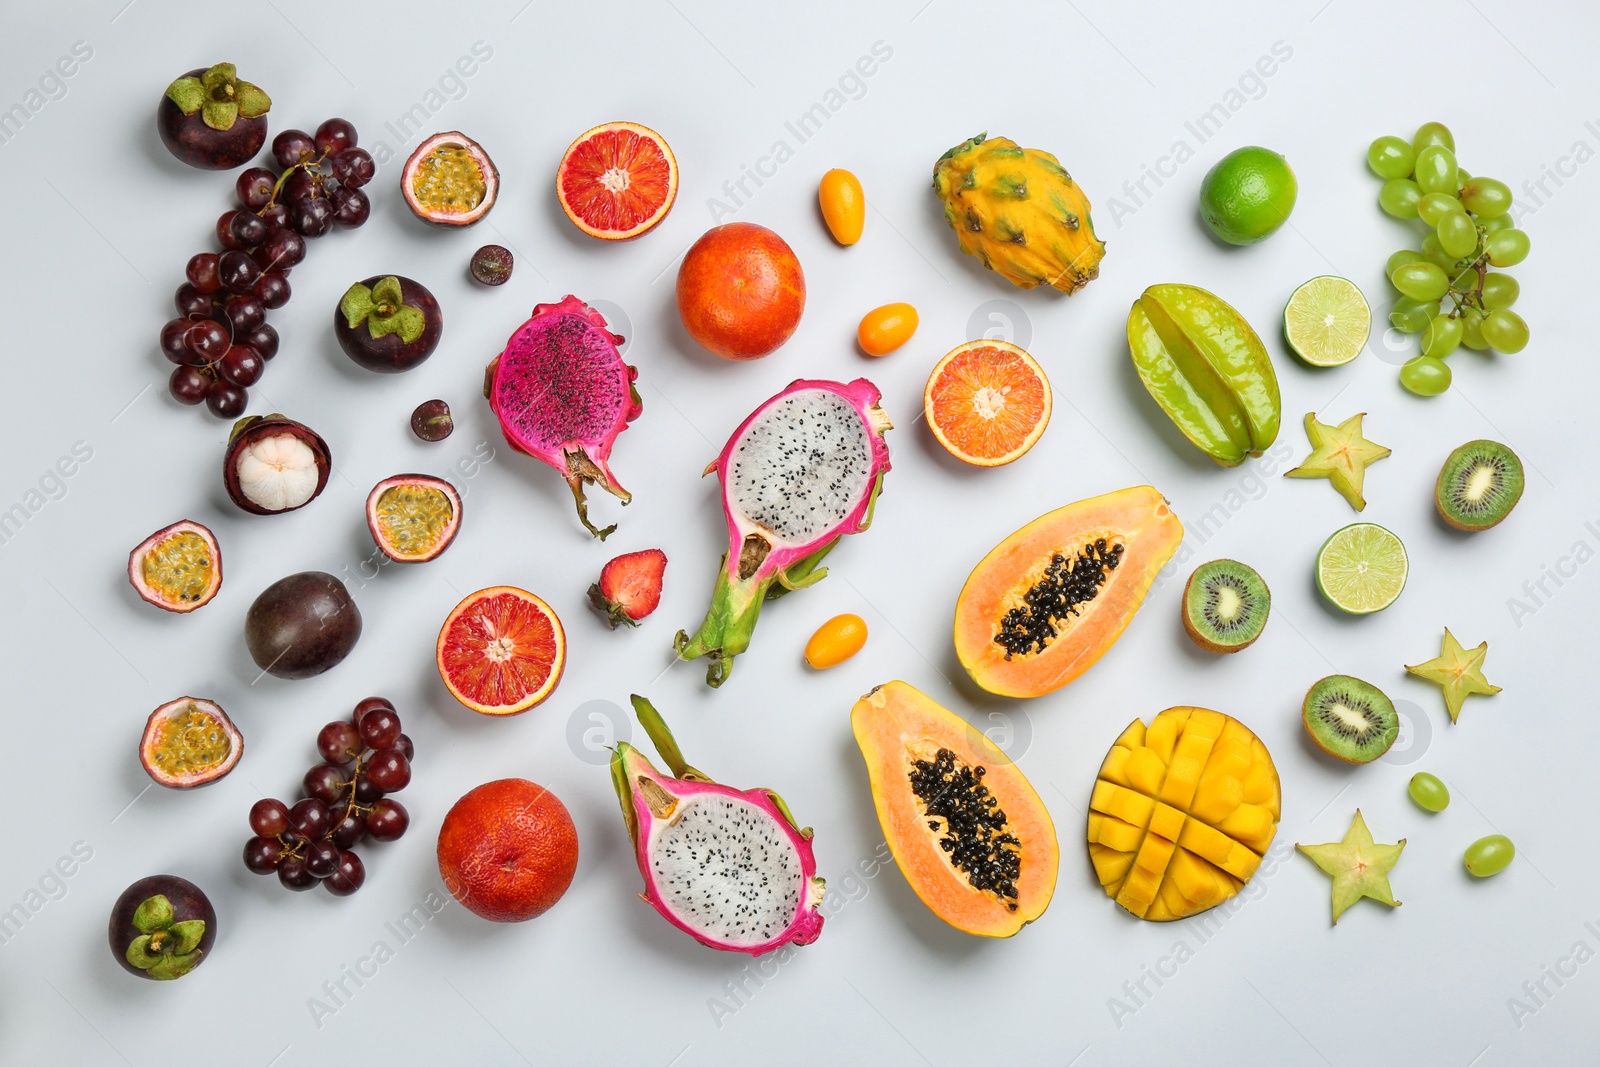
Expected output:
(388, 323)
(302, 625)
(162, 927)
(211, 119)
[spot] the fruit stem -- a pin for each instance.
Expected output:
(303, 164)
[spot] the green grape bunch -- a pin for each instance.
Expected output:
(1448, 294)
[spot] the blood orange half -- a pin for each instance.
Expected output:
(617, 181)
(987, 402)
(501, 651)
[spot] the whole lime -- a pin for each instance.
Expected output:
(1248, 195)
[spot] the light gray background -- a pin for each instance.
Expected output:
(99, 222)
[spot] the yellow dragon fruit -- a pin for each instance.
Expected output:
(1019, 212)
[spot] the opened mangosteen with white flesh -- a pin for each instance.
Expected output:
(388, 323)
(274, 464)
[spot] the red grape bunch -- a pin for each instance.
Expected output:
(346, 800)
(220, 340)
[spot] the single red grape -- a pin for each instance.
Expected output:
(226, 400)
(325, 782)
(335, 136)
(379, 727)
(367, 705)
(389, 770)
(188, 385)
(310, 817)
(293, 874)
(202, 272)
(322, 859)
(387, 820)
(348, 878)
(264, 339)
(269, 818)
(261, 854)
(291, 146)
(254, 187)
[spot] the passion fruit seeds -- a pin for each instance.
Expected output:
(178, 568)
(189, 742)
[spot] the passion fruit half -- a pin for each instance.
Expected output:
(274, 464)
(162, 927)
(189, 742)
(413, 517)
(450, 180)
(178, 568)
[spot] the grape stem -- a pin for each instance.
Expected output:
(305, 163)
(1471, 298)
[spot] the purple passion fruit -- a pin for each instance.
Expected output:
(450, 180)
(413, 517)
(189, 742)
(302, 625)
(178, 568)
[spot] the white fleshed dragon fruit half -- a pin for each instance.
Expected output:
(802, 471)
(562, 394)
(728, 867)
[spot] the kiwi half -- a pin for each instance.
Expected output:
(1225, 605)
(1350, 719)
(1479, 485)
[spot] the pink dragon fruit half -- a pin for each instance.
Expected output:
(802, 471)
(728, 867)
(562, 394)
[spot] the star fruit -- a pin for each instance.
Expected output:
(1341, 455)
(1358, 866)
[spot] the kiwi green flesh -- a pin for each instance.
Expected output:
(1350, 719)
(1225, 605)
(1479, 485)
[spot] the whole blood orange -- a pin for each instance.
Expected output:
(617, 181)
(501, 651)
(987, 402)
(740, 291)
(508, 850)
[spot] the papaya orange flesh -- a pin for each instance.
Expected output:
(966, 828)
(1182, 812)
(1049, 600)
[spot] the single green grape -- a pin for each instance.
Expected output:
(1457, 235)
(1507, 248)
(1489, 855)
(1398, 197)
(1421, 281)
(1486, 197)
(1412, 316)
(1400, 258)
(1436, 170)
(1432, 133)
(1434, 253)
(1425, 375)
(1442, 337)
(1500, 291)
(1472, 330)
(1505, 331)
(1390, 157)
(1495, 223)
(1429, 793)
(1435, 206)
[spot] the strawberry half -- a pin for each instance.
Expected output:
(629, 587)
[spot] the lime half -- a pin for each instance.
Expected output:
(1362, 568)
(1327, 321)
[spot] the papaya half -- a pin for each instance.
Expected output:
(1048, 601)
(965, 826)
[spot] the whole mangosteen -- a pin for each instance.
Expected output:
(388, 323)
(212, 120)
(302, 625)
(162, 927)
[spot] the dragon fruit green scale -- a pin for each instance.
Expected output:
(728, 867)
(801, 472)
(1019, 212)
(562, 394)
